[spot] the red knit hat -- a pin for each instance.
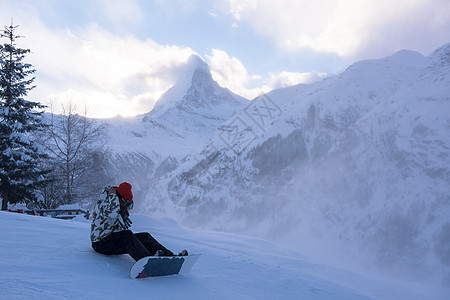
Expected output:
(124, 190)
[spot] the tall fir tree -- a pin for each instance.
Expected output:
(20, 176)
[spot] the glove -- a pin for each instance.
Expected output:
(124, 221)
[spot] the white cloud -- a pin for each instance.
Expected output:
(114, 75)
(347, 27)
(231, 73)
(111, 74)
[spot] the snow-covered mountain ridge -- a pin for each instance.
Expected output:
(357, 164)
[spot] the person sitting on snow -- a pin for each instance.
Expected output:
(110, 232)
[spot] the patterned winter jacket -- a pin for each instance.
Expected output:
(106, 217)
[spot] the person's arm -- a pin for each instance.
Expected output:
(105, 216)
(110, 207)
(116, 212)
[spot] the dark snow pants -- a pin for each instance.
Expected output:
(138, 245)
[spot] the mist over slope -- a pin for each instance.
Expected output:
(354, 166)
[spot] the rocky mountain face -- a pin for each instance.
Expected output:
(357, 164)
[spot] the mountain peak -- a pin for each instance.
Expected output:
(195, 98)
(196, 63)
(407, 58)
(197, 73)
(441, 56)
(194, 68)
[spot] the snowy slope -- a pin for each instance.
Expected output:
(355, 166)
(43, 258)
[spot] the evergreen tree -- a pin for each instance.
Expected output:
(20, 178)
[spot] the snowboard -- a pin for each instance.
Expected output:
(152, 266)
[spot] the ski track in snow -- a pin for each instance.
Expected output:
(44, 258)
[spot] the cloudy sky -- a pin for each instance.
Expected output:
(119, 56)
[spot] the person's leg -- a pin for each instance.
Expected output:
(152, 244)
(122, 242)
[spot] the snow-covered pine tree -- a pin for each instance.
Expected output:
(20, 178)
